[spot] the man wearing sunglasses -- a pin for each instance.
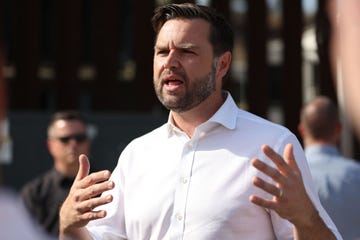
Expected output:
(67, 139)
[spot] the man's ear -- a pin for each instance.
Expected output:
(301, 130)
(339, 129)
(223, 64)
(49, 145)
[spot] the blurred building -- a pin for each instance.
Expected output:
(96, 56)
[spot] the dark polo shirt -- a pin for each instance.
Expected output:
(44, 196)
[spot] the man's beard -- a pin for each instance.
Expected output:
(198, 91)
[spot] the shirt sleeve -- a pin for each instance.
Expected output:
(111, 227)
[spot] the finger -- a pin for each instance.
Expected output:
(93, 185)
(267, 187)
(266, 169)
(280, 163)
(97, 189)
(289, 157)
(96, 177)
(89, 205)
(268, 204)
(93, 215)
(84, 167)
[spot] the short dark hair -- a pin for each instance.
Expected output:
(221, 34)
(67, 115)
(320, 117)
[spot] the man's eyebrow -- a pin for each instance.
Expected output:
(187, 46)
(161, 47)
(180, 46)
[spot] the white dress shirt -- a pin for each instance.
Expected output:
(170, 186)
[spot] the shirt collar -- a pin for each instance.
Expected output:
(323, 148)
(62, 179)
(226, 115)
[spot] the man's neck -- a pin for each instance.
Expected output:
(189, 120)
(312, 142)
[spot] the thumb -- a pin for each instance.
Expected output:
(84, 167)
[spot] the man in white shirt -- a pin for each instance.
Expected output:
(192, 177)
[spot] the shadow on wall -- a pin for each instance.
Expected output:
(30, 156)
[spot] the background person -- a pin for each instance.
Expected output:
(337, 178)
(192, 177)
(43, 196)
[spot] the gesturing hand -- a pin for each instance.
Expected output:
(77, 209)
(290, 200)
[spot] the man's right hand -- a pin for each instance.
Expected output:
(77, 209)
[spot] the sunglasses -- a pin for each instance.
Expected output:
(79, 138)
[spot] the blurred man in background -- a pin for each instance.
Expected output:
(67, 139)
(336, 178)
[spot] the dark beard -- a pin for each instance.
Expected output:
(199, 90)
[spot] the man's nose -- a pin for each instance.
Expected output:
(73, 141)
(172, 60)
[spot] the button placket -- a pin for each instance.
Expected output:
(181, 191)
(184, 180)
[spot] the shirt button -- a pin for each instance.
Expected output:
(184, 180)
(178, 217)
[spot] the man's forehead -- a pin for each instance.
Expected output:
(64, 123)
(183, 33)
(185, 23)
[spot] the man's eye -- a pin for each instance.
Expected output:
(188, 52)
(162, 52)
